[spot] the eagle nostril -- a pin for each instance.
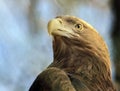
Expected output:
(60, 21)
(60, 30)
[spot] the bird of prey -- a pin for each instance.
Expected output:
(81, 59)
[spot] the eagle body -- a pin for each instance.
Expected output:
(81, 59)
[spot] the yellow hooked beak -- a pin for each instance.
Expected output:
(59, 27)
(54, 26)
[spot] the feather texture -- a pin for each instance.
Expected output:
(81, 59)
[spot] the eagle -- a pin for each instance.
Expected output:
(81, 58)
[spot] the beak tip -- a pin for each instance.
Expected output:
(53, 25)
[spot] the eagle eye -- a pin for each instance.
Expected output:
(78, 26)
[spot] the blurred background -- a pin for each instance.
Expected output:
(26, 47)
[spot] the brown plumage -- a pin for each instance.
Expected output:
(81, 59)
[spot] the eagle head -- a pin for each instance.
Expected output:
(69, 32)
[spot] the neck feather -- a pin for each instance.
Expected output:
(84, 60)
